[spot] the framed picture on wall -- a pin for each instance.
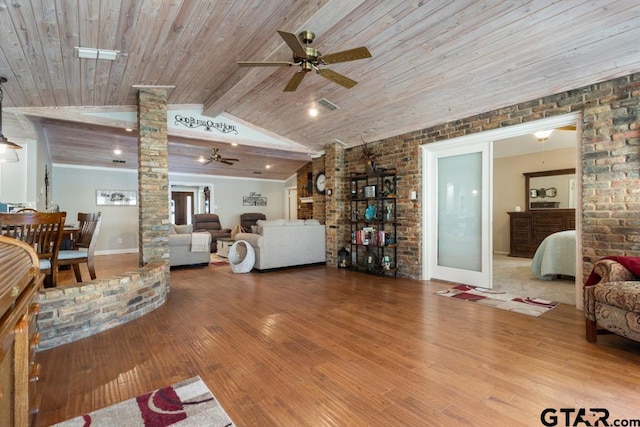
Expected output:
(116, 197)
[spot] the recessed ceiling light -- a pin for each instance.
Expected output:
(117, 151)
(201, 159)
(128, 129)
(235, 144)
(313, 112)
(268, 166)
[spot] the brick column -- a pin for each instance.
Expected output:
(153, 176)
(336, 217)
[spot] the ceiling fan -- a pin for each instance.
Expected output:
(309, 59)
(216, 157)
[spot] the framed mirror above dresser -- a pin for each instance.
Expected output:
(553, 189)
(550, 208)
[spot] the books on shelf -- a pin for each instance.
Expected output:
(370, 236)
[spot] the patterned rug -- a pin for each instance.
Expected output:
(218, 261)
(188, 403)
(499, 299)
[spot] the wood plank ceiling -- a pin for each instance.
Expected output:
(433, 61)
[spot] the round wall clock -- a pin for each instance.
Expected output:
(320, 182)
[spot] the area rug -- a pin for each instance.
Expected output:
(499, 299)
(218, 261)
(187, 403)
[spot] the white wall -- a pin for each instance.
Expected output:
(509, 186)
(74, 190)
(18, 185)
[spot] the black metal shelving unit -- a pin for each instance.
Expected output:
(373, 211)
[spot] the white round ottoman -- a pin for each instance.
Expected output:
(241, 257)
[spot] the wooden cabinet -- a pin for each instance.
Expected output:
(528, 229)
(20, 279)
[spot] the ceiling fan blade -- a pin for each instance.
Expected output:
(337, 78)
(295, 81)
(294, 43)
(207, 162)
(265, 63)
(229, 159)
(226, 163)
(346, 55)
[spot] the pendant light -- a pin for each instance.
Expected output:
(8, 153)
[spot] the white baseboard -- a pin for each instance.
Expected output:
(117, 251)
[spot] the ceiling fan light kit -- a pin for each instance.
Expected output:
(8, 149)
(543, 135)
(310, 59)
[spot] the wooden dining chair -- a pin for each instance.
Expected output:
(43, 232)
(84, 245)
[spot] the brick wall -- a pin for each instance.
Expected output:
(319, 201)
(305, 210)
(610, 161)
(69, 313)
(334, 211)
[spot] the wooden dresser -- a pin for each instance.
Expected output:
(20, 279)
(528, 229)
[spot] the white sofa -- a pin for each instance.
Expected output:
(285, 243)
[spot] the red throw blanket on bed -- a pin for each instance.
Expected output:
(631, 263)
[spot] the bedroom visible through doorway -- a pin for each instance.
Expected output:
(508, 191)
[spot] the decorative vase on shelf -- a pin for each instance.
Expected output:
(371, 212)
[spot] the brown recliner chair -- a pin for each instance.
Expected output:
(249, 219)
(211, 223)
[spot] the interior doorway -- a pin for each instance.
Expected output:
(182, 207)
(459, 212)
(496, 135)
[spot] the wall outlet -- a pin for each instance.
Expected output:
(119, 240)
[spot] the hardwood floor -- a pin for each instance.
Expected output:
(321, 346)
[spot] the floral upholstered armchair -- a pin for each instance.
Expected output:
(612, 298)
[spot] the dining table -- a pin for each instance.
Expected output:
(69, 235)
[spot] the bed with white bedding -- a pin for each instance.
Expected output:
(555, 256)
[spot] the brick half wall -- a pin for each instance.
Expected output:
(71, 313)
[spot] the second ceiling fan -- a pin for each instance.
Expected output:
(309, 59)
(216, 157)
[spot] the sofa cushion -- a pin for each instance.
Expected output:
(311, 222)
(255, 240)
(294, 222)
(624, 295)
(270, 222)
(180, 240)
(183, 229)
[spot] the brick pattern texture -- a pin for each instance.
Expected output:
(69, 313)
(305, 210)
(153, 176)
(610, 148)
